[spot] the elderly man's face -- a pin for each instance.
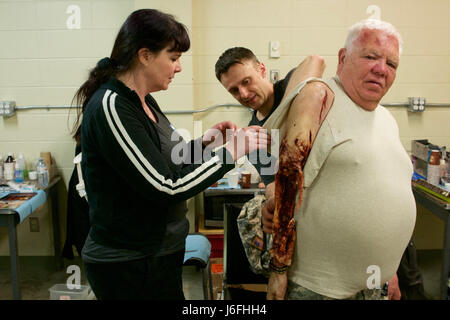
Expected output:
(368, 71)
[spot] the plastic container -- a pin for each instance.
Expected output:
(62, 292)
(434, 168)
(32, 175)
(246, 180)
(42, 173)
(19, 171)
(233, 179)
(216, 277)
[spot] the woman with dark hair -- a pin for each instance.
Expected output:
(136, 185)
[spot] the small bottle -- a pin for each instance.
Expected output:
(42, 173)
(24, 166)
(434, 168)
(8, 167)
(18, 170)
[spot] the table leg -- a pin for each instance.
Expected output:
(14, 258)
(56, 230)
(445, 273)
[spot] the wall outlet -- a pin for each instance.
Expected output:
(34, 224)
(416, 104)
(274, 75)
(7, 108)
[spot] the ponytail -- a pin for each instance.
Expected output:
(144, 28)
(104, 69)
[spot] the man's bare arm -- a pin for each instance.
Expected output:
(306, 114)
(312, 66)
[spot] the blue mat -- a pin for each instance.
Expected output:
(28, 207)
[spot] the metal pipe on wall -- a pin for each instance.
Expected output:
(395, 104)
(406, 104)
(166, 112)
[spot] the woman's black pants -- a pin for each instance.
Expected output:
(151, 278)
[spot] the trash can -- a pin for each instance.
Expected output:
(62, 292)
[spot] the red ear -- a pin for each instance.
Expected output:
(341, 57)
(263, 69)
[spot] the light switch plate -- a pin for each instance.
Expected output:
(274, 49)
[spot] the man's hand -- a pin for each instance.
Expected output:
(312, 66)
(393, 289)
(276, 288)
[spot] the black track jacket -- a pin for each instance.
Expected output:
(128, 181)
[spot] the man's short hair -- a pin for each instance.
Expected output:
(371, 24)
(232, 56)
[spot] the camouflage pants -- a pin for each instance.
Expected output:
(297, 292)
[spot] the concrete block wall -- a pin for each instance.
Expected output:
(43, 62)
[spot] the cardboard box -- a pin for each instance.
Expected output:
(50, 163)
(420, 166)
(216, 277)
(420, 150)
(420, 153)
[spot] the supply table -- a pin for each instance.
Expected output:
(10, 218)
(441, 209)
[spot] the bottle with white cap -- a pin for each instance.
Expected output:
(8, 167)
(434, 168)
(42, 173)
(19, 169)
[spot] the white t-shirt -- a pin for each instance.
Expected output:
(358, 211)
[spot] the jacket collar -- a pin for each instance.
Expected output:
(121, 89)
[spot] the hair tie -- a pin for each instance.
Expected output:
(106, 63)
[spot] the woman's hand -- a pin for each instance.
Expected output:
(219, 134)
(247, 140)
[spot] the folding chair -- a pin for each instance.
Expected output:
(197, 253)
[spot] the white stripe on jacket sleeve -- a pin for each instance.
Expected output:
(157, 180)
